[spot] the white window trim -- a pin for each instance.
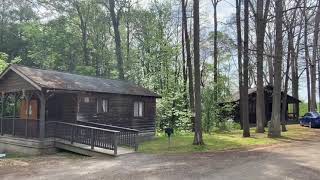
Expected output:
(138, 109)
(105, 105)
(102, 105)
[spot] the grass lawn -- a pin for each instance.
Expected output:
(220, 141)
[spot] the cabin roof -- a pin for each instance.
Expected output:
(268, 91)
(55, 80)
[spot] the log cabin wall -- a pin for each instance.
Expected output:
(120, 111)
(62, 107)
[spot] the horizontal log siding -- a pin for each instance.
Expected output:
(120, 111)
(12, 82)
(62, 107)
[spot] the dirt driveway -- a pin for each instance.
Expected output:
(299, 160)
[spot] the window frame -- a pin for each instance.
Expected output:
(101, 106)
(139, 114)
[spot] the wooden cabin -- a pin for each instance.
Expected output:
(32, 98)
(252, 93)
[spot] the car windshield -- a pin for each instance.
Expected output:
(315, 114)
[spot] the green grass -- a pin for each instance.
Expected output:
(220, 141)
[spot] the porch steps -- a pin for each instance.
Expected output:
(86, 149)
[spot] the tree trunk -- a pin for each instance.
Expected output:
(313, 104)
(286, 81)
(245, 108)
(84, 34)
(196, 28)
(306, 51)
(184, 70)
(260, 31)
(239, 44)
(189, 63)
(115, 23)
(270, 61)
(274, 127)
(294, 60)
(215, 52)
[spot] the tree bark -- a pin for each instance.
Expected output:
(245, 108)
(115, 23)
(260, 31)
(286, 81)
(274, 127)
(313, 104)
(184, 70)
(239, 45)
(306, 51)
(189, 63)
(215, 51)
(196, 28)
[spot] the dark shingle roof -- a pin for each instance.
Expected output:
(268, 91)
(65, 81)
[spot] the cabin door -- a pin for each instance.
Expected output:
(32, 109)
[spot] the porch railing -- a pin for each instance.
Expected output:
(25, 128)
(75, 133)
(126, 136)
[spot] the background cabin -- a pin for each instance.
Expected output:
(268, 105)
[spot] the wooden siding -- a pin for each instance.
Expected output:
(62, 107)
(120, 111)
(12, 82)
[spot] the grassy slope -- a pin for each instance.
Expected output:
(221, 141)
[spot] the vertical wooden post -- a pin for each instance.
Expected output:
(92, 139)
(115, 143)
(136, 144)
(42, 120)
(72, 134)
(2, 111)
(14, 113)
(28, 112)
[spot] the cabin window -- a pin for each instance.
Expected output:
(105, 104)
(102, 106)
(86, 99)
(138, 109)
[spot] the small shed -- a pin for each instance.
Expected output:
(252, 93)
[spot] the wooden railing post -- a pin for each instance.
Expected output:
(72, 134)
(92, 139)
(2, 111)
(136, 143)
(115, 143)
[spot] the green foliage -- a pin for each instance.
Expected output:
(171, 112)
(3, 61)
(86, 70)
(216, 114)
(4, 58)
